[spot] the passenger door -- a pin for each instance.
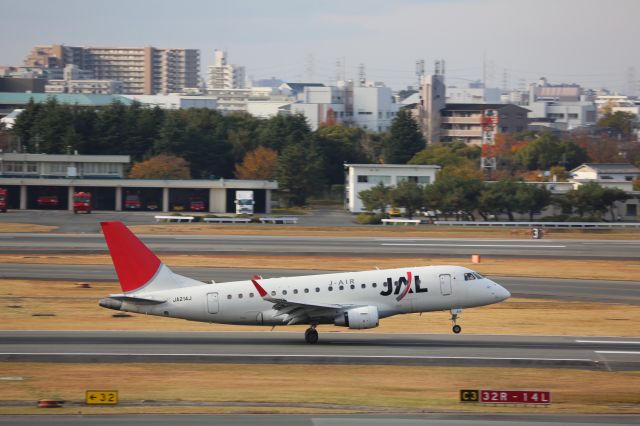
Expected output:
(212, 303)
(445, 284)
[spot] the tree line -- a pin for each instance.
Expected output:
(462, 198)
(204, 144)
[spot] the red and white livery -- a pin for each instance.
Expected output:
(357, 300)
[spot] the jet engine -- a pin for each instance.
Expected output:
(358, 318)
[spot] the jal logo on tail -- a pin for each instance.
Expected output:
(402, 286)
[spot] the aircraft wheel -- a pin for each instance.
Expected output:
(457, 329)
(311, 336)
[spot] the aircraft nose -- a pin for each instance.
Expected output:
(502, 293)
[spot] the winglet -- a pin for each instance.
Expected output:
(261, 291)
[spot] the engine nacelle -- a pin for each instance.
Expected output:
(358, 318)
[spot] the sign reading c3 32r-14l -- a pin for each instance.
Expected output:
(109, 397)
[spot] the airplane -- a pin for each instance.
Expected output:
(357, 300)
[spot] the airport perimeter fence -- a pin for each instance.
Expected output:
(583, 225)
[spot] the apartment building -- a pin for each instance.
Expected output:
(222, 75)
(467, 122)
(142, 71)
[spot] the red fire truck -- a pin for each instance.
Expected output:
(82, 202)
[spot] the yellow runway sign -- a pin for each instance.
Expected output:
(102, 397)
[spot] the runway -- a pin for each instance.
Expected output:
(428, 419)
(335, 246)
(274, 347)
(569, 289)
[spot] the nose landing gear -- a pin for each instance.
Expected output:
(311, 335)
(454, 317)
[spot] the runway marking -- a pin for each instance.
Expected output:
(472, 245)
(123, 354)
(610, 342)
(618, 352)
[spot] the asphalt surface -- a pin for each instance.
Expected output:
(334, 246)
(321, 420)
(274, 347)
(627, 292)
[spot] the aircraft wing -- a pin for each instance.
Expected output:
(299, 312)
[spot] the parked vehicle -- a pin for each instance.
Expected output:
(49, 200)
(82, 202)
(196, 204)
(3, 200)
(132, 202)
(244, 202)
(152, 205)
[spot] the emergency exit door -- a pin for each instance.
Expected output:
(445, 284)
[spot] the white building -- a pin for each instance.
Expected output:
(370, 106)
(360, 177)
(222, 75)
(175, 101)
(606, 172)
(373, 108)
(473, 95)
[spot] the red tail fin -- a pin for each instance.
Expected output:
(135, 264)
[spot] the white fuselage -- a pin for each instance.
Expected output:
(432, 288)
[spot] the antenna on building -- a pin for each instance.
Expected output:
(309, 68)
(505, 80)
(420, 70)
(362, 76)
(631, 81)
(438, 67)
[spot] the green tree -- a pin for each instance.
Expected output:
(619, 123)
(283, 130)
(447, 154)
(587, 199)
(531, 198)
(338, 145)
(612, 196)
(299, 172)
(454, 193)
(408, 195)
(547, 151)
(376, 198)
(499, 197)
(404, 139)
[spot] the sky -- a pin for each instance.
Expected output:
(509, 42)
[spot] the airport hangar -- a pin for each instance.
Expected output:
(30, 176)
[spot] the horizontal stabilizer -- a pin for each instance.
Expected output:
(138, 300)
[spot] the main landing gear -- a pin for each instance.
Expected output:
(454, 317)
(311, 335)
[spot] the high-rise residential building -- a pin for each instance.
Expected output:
(224, 76)
(142, 71)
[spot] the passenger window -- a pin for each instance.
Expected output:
(284, 292)
(330, 288)
(273, 293)
(364, 286)
(317, 289)
(228, 296)
(374, 285)
(240, 296)
(341, 287)
(250, 294)
(295, 291)
(306, 290)
(352, 286)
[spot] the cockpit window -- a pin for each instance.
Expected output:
(469, 276)
(478, 276)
